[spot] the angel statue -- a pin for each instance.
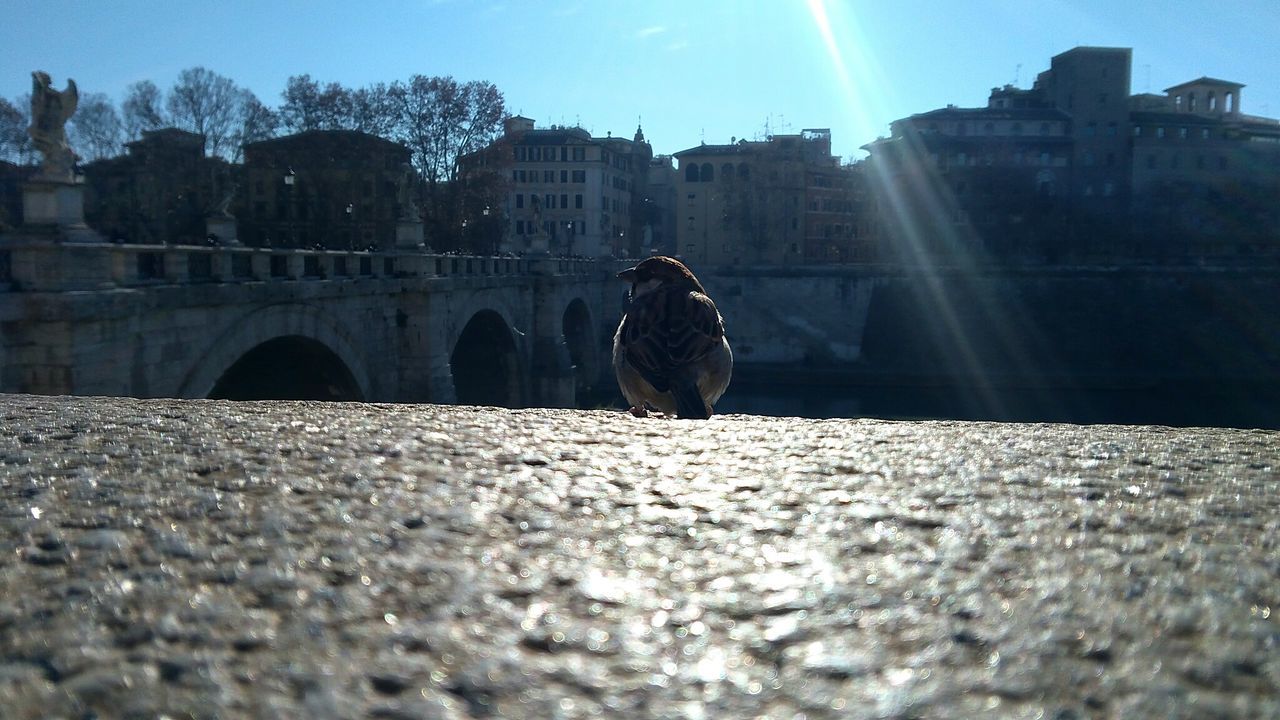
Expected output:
(50, 111)
(408, 208)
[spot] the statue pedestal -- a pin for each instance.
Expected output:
(47, 202)
(223, 229)
(409, 235)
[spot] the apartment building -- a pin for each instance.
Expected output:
(337, 189)
(574, 194)
(1076, 168)
(780, 201)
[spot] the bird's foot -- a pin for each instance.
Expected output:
(639, 411)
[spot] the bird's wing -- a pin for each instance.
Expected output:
(70, 99)
(668, 330)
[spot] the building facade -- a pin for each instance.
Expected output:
(780, 201)
(160, 191)
(336, 189)
(1075, 168)
(569, 193)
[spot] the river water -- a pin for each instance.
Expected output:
(1204, 404)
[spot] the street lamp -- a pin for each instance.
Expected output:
(351, 230)
(289, 179)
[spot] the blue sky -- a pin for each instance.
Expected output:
(692, 70)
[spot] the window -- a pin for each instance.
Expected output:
(577, 201)
(691, 173)
(548, 176)
(706, 173)
(1137, 131)
(1086, 158)
(579, 154)
(1204, 133)
(1109, 189)
(1044, 128)
(564, 154)
(519, 227)
(1091, 129)
(579, 176)
(1182, 133)
(1016, 129)
(519, 200)
(549, 201)
(564, 176)
(1045, 159)
(1111, 129)
(1159, 132)
(564, 201)
(521, 154)
(989, 129)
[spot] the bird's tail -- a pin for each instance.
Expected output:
(689, 402)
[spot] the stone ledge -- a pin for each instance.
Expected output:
(211, 559)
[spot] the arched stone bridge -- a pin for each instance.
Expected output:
(246, 323)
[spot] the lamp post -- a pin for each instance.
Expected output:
(289, 179)
(351, 230)
(493, 243)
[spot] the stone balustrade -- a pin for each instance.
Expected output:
(33, 265)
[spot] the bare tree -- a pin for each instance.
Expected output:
(143, 109)
(96, 130)
(206, 103)
(373, 110)
(257, 122)
(310, 106)
(440, 120)
(15, 144)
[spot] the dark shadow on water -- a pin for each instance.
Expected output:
(1184, 405)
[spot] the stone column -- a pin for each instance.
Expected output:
(409, 234)
(223, 227)
(553, 383)
(56, 207)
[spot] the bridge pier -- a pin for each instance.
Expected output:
(552, 380)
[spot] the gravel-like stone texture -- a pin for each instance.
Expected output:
(209, 559)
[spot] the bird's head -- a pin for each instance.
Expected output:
(656, 272)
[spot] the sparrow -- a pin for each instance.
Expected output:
(670, 352)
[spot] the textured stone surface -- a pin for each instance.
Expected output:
(207, 559)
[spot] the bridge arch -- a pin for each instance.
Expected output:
(580, 340)
(296, 332)
(485, 363)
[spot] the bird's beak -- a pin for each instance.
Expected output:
(628, 275)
